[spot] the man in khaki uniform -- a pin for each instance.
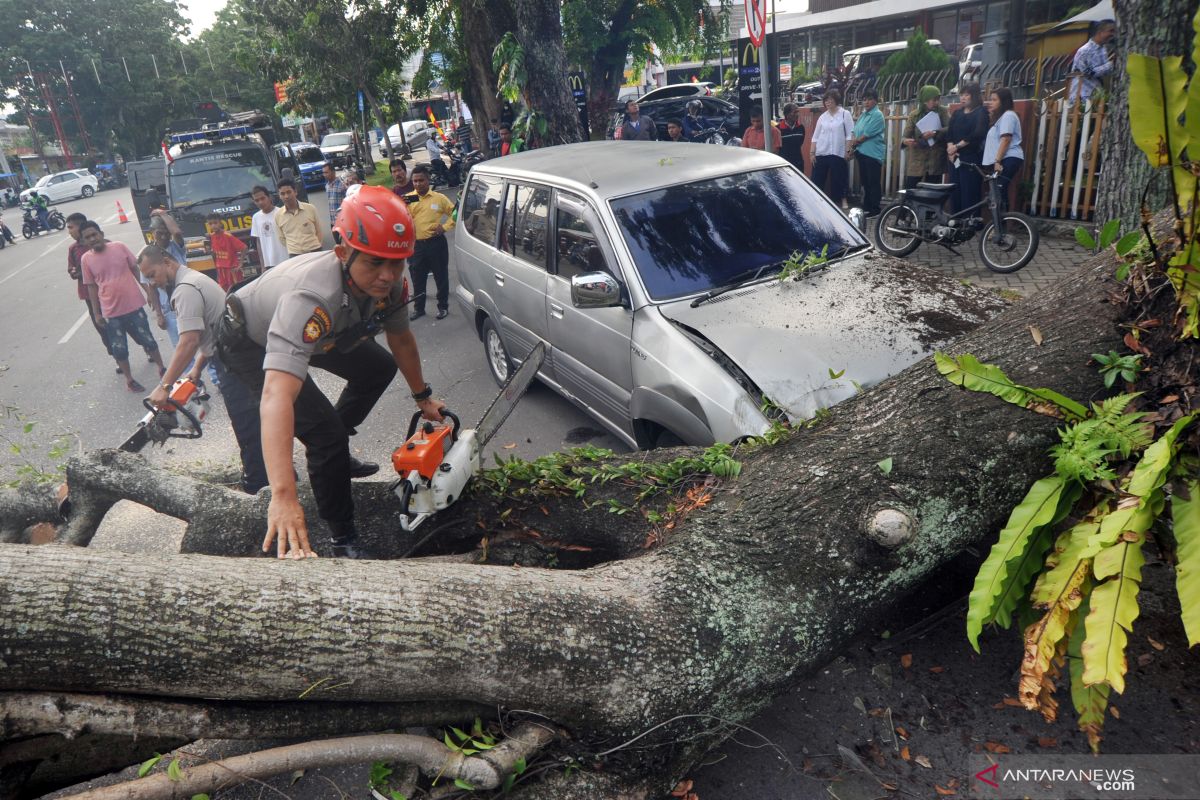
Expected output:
(432, 215)
(296, 222)
(324, 310)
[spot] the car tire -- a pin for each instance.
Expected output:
(498, 361)
(87, 192)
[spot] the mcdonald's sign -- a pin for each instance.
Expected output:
(749, 79)
(749, 54)
(578, 83)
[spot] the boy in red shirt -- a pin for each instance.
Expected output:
(227, 252)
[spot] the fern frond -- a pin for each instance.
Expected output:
(1023, 572)
(1090, 701)
(967, 371)
(1044, 641)
(1082, 456)
(1114, 608)
(1039, 509)
(1185, 513)
(1066, 559)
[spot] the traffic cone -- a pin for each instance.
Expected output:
(121, 218)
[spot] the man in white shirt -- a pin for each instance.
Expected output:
(262, 227)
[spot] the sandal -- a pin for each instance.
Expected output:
(135, 387)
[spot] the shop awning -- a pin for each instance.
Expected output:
(874, 10)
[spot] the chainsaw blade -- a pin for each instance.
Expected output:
(506, 401)
(137, 441)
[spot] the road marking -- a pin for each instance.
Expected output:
(18, 271)
(67, 336)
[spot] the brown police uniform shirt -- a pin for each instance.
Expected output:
(299, 308)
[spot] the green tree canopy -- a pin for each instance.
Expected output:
(919, 56)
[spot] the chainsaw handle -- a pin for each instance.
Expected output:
(195, 432)
(416, 419)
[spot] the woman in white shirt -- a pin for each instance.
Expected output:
(1002, 153)
(831, 142)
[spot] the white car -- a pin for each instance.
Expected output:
(64, 186)
(699, 89)
(416, 133)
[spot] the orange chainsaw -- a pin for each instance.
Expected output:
(437, 459)
(189, 407)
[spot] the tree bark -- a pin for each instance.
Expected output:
(763, 583)
(539, 27)
(484, 23)
(608, 70)
(1159, 28)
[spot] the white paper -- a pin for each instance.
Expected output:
(927, 123)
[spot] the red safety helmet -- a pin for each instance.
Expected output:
(374, 220)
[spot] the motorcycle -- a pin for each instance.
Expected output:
(108, 181)
(6, 236)
(30, 226)
(717, 135)
(448, 176)
(1007, 242)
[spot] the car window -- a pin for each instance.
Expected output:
(714, 107)
(697, 236)
(577, 247)
(481, 207)
(61, 178)
(525, 219)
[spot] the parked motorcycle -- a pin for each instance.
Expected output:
(108, 181)
(448, 176)
(30, 226)
(717, 135)
(1008, 241)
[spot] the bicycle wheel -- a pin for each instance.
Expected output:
(896, 233)
(1008, 247)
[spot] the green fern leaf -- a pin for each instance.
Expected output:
(1156, 460)
(1067, 556)
(1036, 511)
(1023, 572)
(1090, 701)
(1114, 608)
(1185, 513)
(969, 373)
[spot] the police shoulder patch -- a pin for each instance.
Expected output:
(317, 326)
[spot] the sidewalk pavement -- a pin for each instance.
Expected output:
(1056, 258)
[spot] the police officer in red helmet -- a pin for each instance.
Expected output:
(324, 310)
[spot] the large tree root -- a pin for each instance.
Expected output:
(487, 770)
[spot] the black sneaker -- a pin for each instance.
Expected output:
(354, 549)
(442, 313)
(362, 469)
(416, 315)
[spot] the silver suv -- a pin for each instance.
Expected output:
(651, 272)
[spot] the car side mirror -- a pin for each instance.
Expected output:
(595, 290)
(858, 218)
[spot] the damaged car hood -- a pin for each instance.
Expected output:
(810, 343)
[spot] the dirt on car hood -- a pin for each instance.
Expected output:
(812, 342)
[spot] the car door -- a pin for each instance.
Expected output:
(60, 187)
(518, 267)
(590, 346)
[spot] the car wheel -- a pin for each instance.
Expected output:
(499, 364)
(88, 191)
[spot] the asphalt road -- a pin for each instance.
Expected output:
(56, 377)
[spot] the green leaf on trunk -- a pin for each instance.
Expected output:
(149, 764)
(885, 466)
(1185, 513)
(1084, 238)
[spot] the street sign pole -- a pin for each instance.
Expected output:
(764, 66)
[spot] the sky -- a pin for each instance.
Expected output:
(202, 13)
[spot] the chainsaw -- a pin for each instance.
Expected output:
(189, 407)
(437, 459)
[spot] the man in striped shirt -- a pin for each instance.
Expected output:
(335, 191)
(1092, 62)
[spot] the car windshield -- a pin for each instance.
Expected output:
(308, 153)
(336, 140)
(699, 236)
(44, 180)
(217, 176)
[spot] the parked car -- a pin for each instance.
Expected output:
(650, 270)
(970, 63)
(61, 186)
(306, 161)
(416, 133)
(338, 148)
(689, 90)
(716, 111)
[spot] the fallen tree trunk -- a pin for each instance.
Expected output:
(764, 581)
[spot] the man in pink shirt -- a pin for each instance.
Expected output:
(110, 275)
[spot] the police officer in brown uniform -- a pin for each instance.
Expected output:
(324, 310)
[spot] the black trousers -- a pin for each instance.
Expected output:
(242, 405)
(430, 256)
(323, 427)
(968, 185)
(834, 171)
(869, 170)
